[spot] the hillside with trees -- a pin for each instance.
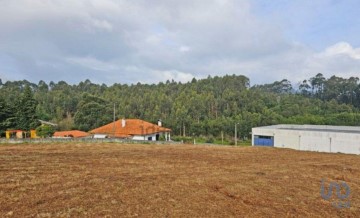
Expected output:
(208, 107)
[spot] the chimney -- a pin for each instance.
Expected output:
(123, 123)
(159, 123)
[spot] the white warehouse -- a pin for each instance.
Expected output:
(343, 139)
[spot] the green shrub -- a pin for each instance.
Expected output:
(45, 131)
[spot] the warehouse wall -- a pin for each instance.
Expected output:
(334, 142)
(345, 143)
(314, 141)
(287, 139)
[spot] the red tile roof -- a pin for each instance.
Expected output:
(72, 133)
(132, 127)
(11, 131)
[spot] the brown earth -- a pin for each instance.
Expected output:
(118, 180)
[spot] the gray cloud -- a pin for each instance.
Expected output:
(129, 41)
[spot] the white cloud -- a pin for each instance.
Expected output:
(184, 48)
(173, 74)
(102, 24)
(154, 39)
(340, 59)
(92, 63)
(132, 41)
(342, 48)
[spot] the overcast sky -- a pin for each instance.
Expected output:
(130, 41)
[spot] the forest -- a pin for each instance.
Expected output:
(203, 108)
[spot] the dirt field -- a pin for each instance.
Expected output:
(117, 180)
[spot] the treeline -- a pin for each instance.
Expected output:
(207, 107)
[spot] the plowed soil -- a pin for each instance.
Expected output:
(119, 180)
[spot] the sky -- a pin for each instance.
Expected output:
(131, 41)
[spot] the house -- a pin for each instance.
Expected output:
(132, 129)
(321, 138)
(19, 134)
(71, 134)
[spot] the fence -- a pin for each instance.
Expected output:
(86, 140)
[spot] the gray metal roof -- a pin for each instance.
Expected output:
(316, 128)
(323, 130)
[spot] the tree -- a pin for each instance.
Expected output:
(304, 88)
(317, 85)
(67, 123)
(280, 87)
(92, 112)
(26, 118)
(5, 115)
(202, 107)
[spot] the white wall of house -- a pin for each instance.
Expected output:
(100, 136)
(144, 137)
(323, 141)
(153, 136)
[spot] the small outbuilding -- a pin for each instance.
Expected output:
(19, 134)
(322, 138)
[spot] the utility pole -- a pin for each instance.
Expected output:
(114, 113)
(114, 121)
(184, 130)
(236, 133)
(222, 137)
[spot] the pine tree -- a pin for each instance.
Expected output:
(3, 115)
(26, 118)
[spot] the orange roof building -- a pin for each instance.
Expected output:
(133, 129)
(72, 134)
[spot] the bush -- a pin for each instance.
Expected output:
(210, 139)
(45, 131)
(187, 140)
